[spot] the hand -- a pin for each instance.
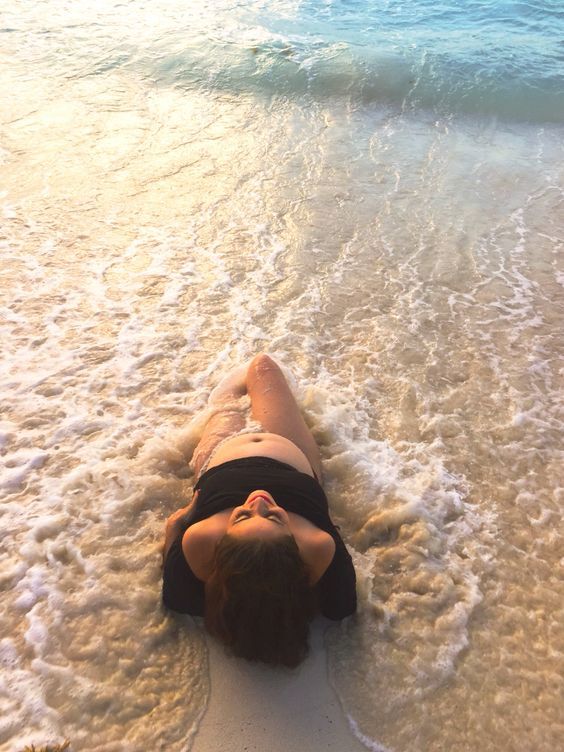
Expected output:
(180, 514)
(174, 524)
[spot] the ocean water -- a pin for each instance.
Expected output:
(372, 192)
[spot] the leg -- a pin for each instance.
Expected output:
(227, 418)
(274, 407)
(221, 425)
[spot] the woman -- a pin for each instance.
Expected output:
(255, 551)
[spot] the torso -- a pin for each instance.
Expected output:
(262, 445)
(316, 546)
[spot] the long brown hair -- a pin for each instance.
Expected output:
(259, 601)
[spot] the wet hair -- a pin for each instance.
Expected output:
(259, 602)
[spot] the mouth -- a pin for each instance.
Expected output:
(264, 495)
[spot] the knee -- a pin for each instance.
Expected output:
(262, 360)
(261, 365)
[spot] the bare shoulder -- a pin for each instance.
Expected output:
(317, 549)
(325, 548)
(199, 543)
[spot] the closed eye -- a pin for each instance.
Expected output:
(245, 516)
(275, 517)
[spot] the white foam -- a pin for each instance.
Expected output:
(371, 744)
(19, 466)
(423, 329)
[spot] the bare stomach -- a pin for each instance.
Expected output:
(262, 445)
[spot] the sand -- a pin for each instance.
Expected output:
(253, 707)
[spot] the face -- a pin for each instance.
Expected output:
(259, 517)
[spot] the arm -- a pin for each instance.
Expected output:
(182, 590)
(175, 523)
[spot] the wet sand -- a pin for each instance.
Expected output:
(252, 707)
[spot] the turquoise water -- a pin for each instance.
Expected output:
(489, 57)
(372, 192)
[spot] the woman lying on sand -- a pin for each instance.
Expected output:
(255, 552)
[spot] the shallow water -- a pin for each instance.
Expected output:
(173, 201)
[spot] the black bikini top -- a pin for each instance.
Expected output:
(229, 484)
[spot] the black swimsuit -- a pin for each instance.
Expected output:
(228, 485)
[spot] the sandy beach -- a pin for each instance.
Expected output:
(373, 194)
(253, 708)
